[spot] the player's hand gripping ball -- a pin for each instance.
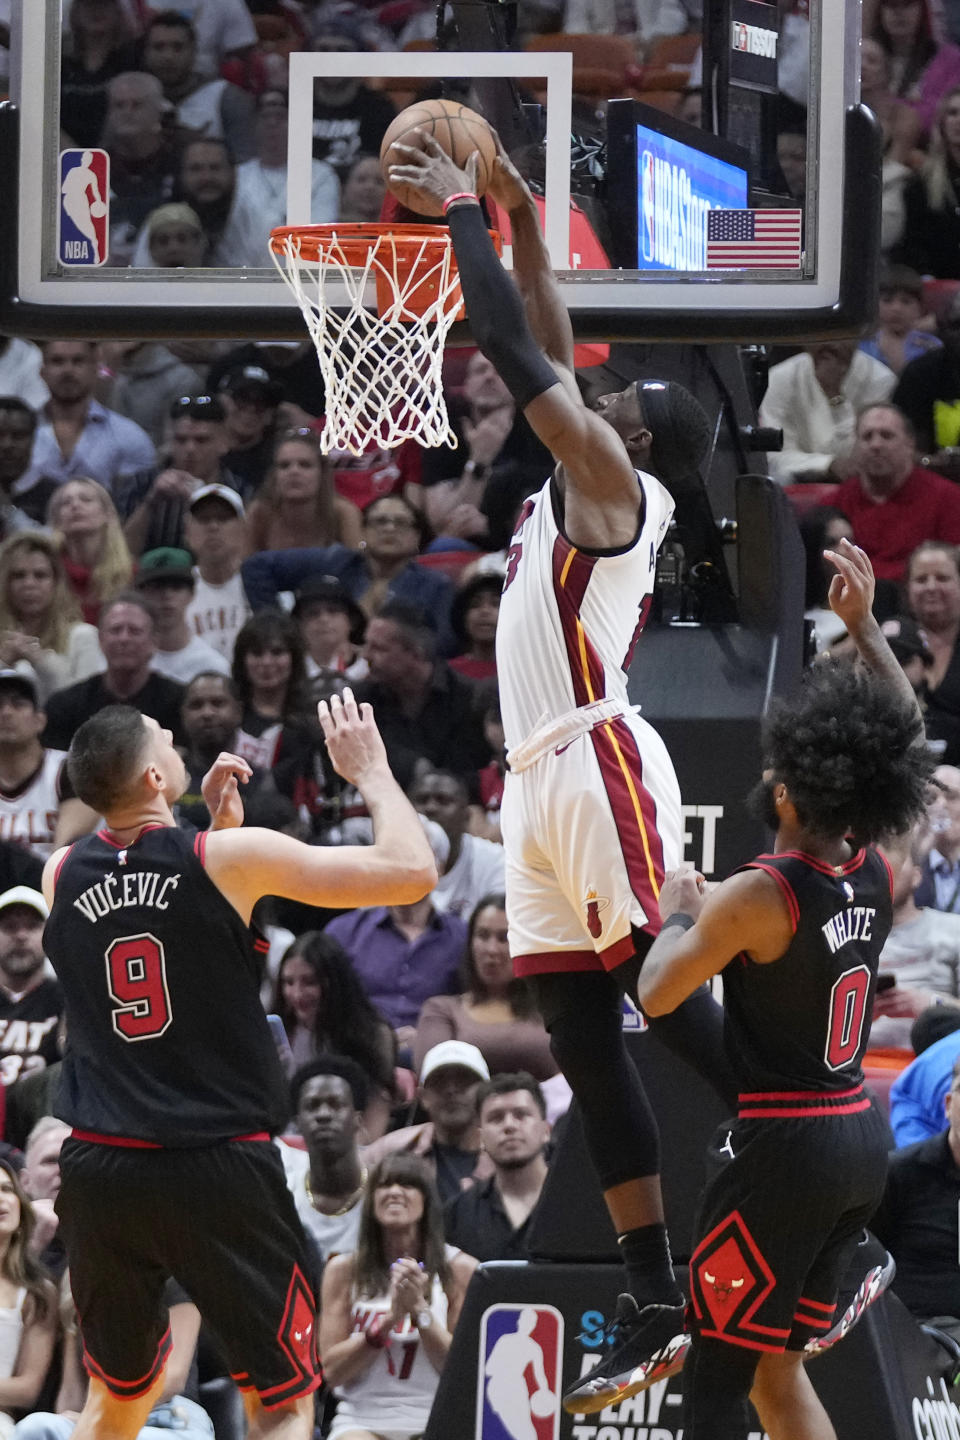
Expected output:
(458, 130)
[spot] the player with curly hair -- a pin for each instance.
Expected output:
(797, 935)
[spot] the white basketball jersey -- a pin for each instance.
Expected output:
(569, 620)
(401, 1383)
(28, 815)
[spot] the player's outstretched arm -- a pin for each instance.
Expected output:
(851, 598)
(397, 869)
(593, 456)
(703, 931)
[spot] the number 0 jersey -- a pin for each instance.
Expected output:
(167, 1040)
(802, 1022)
(569, 618)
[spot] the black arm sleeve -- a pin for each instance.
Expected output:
(495, 309)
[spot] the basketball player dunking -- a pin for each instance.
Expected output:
(172, 1080)
(591, 809)
(798, 935)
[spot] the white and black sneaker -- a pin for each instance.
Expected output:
(872, 1286)
(644, 1346)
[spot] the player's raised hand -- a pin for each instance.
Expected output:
(682, 892)
(432, 174)
(220, 789)
(353, 740)
(852, 588)
(507, 186)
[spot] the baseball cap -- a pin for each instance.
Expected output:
(252, 380)
(26, 895)
(906, 639)
(165, 563)
(20, 682)
(453, 1053)
(222, 492)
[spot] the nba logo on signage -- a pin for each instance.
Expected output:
(740, 40)
(518, 1382)
(648, 205)
(84, 207)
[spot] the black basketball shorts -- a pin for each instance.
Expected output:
(785, 1203)
(222, 1222)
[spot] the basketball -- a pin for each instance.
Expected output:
(543, 1403)
(456, 128)
(98, 208)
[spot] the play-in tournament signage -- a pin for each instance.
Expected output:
(754, 45)
(84, 218)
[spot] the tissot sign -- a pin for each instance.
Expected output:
(754, 45)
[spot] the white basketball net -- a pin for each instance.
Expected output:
(382, 373)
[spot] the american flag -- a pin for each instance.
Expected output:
(743, 239)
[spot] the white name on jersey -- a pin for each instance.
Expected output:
(145, 887)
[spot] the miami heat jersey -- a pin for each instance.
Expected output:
(802, 1022)
(28, 814)
(168, 1042)
(569, 618)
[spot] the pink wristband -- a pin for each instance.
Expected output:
(460, 195)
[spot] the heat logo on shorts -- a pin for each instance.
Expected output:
(84, 227)
(594, 906)
(518, 1385)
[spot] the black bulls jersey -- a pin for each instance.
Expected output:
(167, 1040)
(802, 1022)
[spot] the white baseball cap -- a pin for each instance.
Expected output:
(222, 492)
(453, 1053)
(26, 895)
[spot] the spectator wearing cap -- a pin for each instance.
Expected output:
(383, 570)
(402, 954)
(348, 117)
(204, 108)
(891, 502)
(922, 952)
(298, 506)
(172, 238)
(165, 579)
(250, 400)
(332, 627)
(814, 398)
(27, 995)
(910, 649)
(128, 642)
(216, 534)
(897, 339)
(450, 1080)
(153, 508)
(473, 619)
(30, 775)
(262, 181)
(76, 435)
(146, 379)
(490, 1220)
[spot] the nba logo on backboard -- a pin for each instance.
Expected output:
(518, 1385)
(647, 205)
(84, 207)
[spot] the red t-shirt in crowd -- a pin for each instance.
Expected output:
(926, 507)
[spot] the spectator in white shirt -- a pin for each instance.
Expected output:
(474, 866)
(204, 107)
(76, 434)
(20, 362)
(216, 534)
(262, 181)
(165, 579)
(224, 28)
(814, 398)
(231, 225)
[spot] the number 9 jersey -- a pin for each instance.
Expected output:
(168, 1043)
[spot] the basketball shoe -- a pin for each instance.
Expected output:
(643, 1346)
(877, 1279)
